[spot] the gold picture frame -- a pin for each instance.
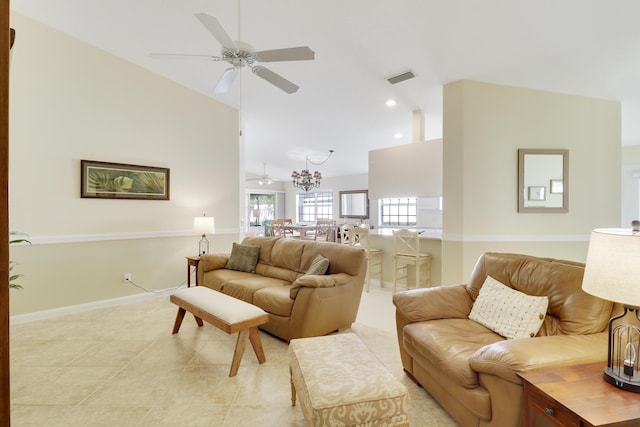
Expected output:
(104, 180)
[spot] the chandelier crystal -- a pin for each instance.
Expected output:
(304, 179)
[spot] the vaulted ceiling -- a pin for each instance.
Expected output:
(582, 47)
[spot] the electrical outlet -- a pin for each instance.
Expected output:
(127, 277)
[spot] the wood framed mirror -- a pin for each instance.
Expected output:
(354, 204)
(543, 180)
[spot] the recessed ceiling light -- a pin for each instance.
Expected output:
(398, 135)
(391, 102)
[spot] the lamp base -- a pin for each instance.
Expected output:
(203, 246)
(613, 377)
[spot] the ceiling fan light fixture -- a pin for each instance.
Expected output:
(242, 55)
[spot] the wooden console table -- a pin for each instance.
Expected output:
(577, 396)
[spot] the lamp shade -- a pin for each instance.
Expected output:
(612, 269)
(204, 225)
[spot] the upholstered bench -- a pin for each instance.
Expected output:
(225, 313)
(339, 382)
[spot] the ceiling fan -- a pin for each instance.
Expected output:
(241, 55)
(264, 178)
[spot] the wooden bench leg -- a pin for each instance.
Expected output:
(198, 320)
(238, 352)
(293, 389)
(256, 343)
(178, 322)
(180, 317)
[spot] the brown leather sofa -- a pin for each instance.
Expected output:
(299, 305)
(472, 371)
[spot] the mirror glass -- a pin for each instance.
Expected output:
(543, 180)
(354, 204)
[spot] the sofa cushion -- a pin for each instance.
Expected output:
(508, 312)
(244, 288)
(215, 279)
(243, 258)
(274, 300)
(319, 265)
(448, 345)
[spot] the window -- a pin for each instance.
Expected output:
(312, 206)
(261, 207)
(401, 211)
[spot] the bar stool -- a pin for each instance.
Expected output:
(359, 236)
(406, 245)
(344, 233)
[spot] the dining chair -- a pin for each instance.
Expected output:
(406, 245)
(287, 231)
(277, 228)
(359, 236)
(324, 227)
(321, 231)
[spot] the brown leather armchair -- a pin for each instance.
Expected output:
(472, 371)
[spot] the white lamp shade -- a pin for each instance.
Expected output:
(612, 269)
(204, 225)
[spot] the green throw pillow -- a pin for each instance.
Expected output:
(243, 258)
(319, 265)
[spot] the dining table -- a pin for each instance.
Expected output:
(303, 229)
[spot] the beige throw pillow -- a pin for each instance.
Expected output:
(243, 258)
(319, 265)
(508, 312)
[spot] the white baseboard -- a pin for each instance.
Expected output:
(79, 308)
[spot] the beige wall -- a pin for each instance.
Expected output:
(484, 125)
(70, 101)
(416, 169)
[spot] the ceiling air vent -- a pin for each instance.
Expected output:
(401, 77)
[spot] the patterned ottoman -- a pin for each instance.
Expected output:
(340, 383)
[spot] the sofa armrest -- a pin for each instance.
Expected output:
(209, 262)
(505, 358)
(318, 281)
(442, 302)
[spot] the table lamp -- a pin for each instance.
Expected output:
(203, 225)
(612, 272)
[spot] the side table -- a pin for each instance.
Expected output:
(192, 261)
(577, 396)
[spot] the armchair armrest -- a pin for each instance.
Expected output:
(318, 281)
(505, 358)
(442, 302)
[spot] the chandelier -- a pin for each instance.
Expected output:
(304, 179)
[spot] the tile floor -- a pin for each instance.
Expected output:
(121, 366)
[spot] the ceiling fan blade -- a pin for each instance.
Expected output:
(301, 53)
(275, 79)
(184, 56)
(216, 30)
(227, 79)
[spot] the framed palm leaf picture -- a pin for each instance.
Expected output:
(121, 181)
